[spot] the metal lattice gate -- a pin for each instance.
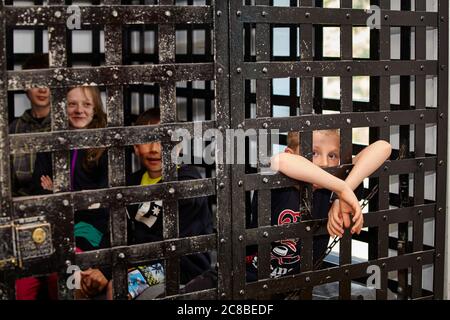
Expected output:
(241, 63)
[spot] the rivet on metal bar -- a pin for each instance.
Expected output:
(264, 70)
(422, 67)
(265, 180)
(221, 185)
(68, 263)
(115, 14)
(307, 279)
(349, 68)
(241, 237)
(420, 164)
(238, 13)
(346, 272)
(441, 115)
(238, 70)
(386, 67)
(441, 162)
(59, 77)
(264, 13)
(119, 196)
(171, 190)
(265, 125)
(169, 73)
(308, 228)
(241, 292)
(173, 248)
(421, 116)
(419, 258)
(308, 123)
(240, 183)
(307, 14)
(223, 240)
(169, 132)
(419, 212)
(386, 17)
(349, 121)
(167, 13)
(384, 218)
(65, 203)
(219, 13)
(121, 255)
(58, 14)
(223, 294)
(117, 136)
(265, 287)
(347, 15)
(308, 69)
(422, 18)
(386, 118)
(220, 70)
(265, 234)
(22, 207)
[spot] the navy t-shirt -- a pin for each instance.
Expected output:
(285, 255)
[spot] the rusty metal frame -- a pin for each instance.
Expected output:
(380, 116)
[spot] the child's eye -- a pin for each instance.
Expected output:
(333, 156)
(315, 153)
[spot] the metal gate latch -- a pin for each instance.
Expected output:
(33, 238)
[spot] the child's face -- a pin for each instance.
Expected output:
(80, 107)
(39, 97)
(326, 149)
(150, 156)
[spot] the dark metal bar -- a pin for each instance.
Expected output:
(168, 105)
(61, 159)
(345, 248)
(328, 16)
(109, 14)
(223, 170)
(253, 70)
(263, 109)
(419, 150)
(237, 116)
(441, 170)
(104, 76)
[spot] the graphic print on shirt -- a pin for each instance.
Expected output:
(148, 212)
(284, 255)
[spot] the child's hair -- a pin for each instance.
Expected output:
(36, 61)
(151, 116)
(99, 120)
(293, 139)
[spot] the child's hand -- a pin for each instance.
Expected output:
(93, 282)
(335, 221)
(46, 183)
(349, 205)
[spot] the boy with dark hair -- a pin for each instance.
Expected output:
(285, 202)
(36, 119)
(145, 224)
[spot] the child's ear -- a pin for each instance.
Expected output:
(289, 150)
(136, 150)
